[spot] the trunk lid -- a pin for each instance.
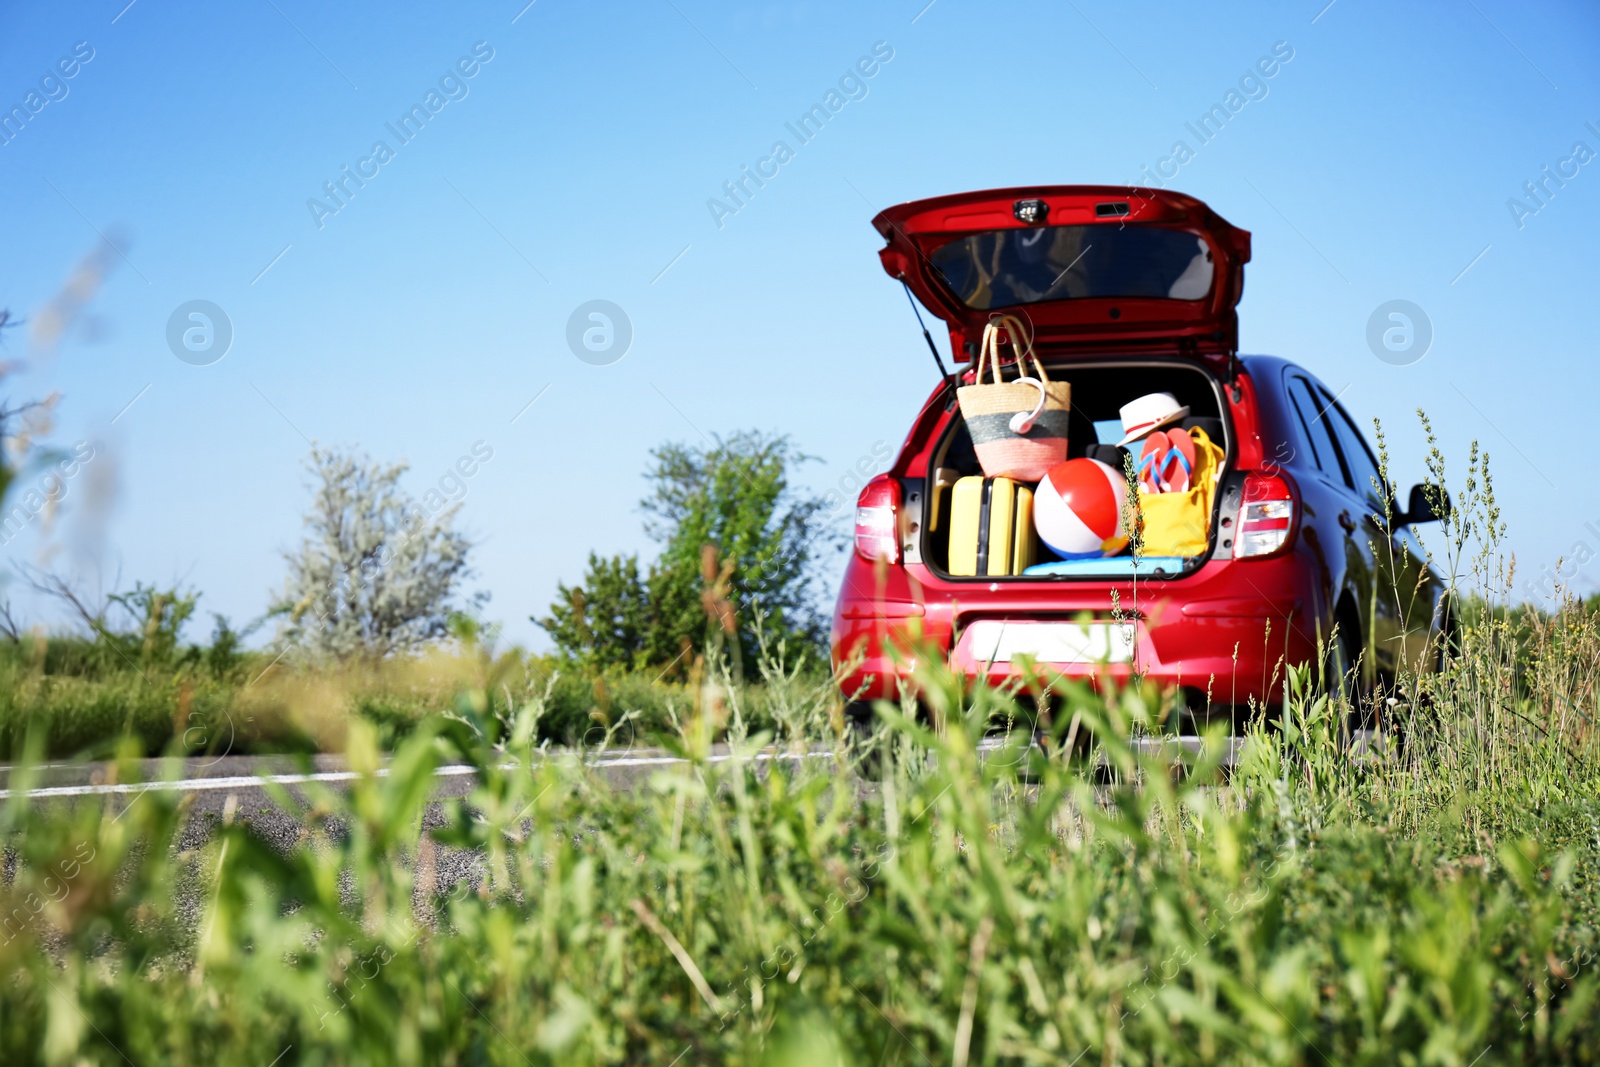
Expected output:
(1092, 269)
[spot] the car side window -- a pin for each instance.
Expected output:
(1363, 468)
(1315, 425)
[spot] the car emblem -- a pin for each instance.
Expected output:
(1030, 212)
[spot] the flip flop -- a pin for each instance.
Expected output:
(1175, 468)
(1151, 460)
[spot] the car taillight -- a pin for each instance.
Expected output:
(1266, 517)
(878, 520)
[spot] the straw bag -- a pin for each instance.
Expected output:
(1018, 428)
(1179, 524)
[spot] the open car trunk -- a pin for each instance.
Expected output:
(1092, 270)
(1099, 389)
(1122, 292)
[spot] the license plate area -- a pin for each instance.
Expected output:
(998, 640)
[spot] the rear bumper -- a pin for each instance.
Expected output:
(1230, 630)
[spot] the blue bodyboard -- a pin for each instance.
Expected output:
(1114, 567)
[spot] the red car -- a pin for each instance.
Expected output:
(1127, 292)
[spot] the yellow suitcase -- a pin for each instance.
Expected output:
(991, 527)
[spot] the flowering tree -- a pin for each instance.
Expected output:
(376, 573)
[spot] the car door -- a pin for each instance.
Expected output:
(1367, 526)
(1338, 505)
(1404, 588)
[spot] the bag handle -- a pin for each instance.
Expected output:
(1023, 421)
(1021, 344)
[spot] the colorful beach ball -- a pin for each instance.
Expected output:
(1077, 509)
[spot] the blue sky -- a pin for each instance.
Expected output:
(577, 164)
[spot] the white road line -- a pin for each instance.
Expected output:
(243, 781)
(454, 770)
(458, 770)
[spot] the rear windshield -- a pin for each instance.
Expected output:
(1004, 268)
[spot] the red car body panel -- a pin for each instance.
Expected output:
(1226, 627)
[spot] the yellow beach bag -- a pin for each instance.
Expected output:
(1179, 524)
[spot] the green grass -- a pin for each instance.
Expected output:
(904, 902)
(1439, 908)
(85, 698)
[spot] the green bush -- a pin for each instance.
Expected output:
(88, 696)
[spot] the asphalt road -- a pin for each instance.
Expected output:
(212, 780)
(214, 784)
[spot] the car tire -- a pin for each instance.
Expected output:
(1449, 636)
(1341, 679)
(1360, 735)
(1338, 667)
(864, 747)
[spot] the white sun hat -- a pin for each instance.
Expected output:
(1148, 413)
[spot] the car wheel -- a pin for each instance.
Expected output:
(865, 748)
(1341, 680)
(1449, 637)
(1339, 665)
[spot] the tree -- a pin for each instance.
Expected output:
(159, 616)
(735, 496)
(138, 628)
(605, 619)
(377, 573)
